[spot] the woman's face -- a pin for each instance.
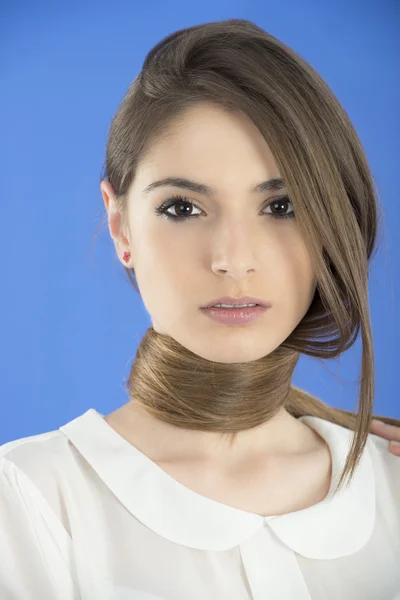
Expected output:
(235, 247)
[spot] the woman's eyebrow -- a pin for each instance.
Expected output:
(270, 185)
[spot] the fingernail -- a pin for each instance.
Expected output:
(378, 421)
(395, 444)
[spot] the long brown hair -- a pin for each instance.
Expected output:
(238, 66)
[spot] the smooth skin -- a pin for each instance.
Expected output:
(232, 247)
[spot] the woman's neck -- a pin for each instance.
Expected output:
(283, 436)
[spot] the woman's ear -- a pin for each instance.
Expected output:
(121, 242)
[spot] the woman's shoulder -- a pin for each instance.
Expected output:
(378, 463)
(385, 463)
(33, 519)
(33, 468)
(37, 454)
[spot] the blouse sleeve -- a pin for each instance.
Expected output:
(35, 548)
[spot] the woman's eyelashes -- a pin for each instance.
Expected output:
(184, 203)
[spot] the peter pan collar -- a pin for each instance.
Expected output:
(335, 527)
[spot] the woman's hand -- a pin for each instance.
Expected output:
(388, 432)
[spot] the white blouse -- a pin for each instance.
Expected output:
(86, 516)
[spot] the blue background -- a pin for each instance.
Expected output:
(70, 322)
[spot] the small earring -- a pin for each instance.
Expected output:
(126, 256)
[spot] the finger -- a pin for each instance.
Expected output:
(394, 448)
(389, 432)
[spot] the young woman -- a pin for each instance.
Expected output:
(233, 176)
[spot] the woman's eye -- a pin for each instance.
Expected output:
(277, 204)
(180, 208)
